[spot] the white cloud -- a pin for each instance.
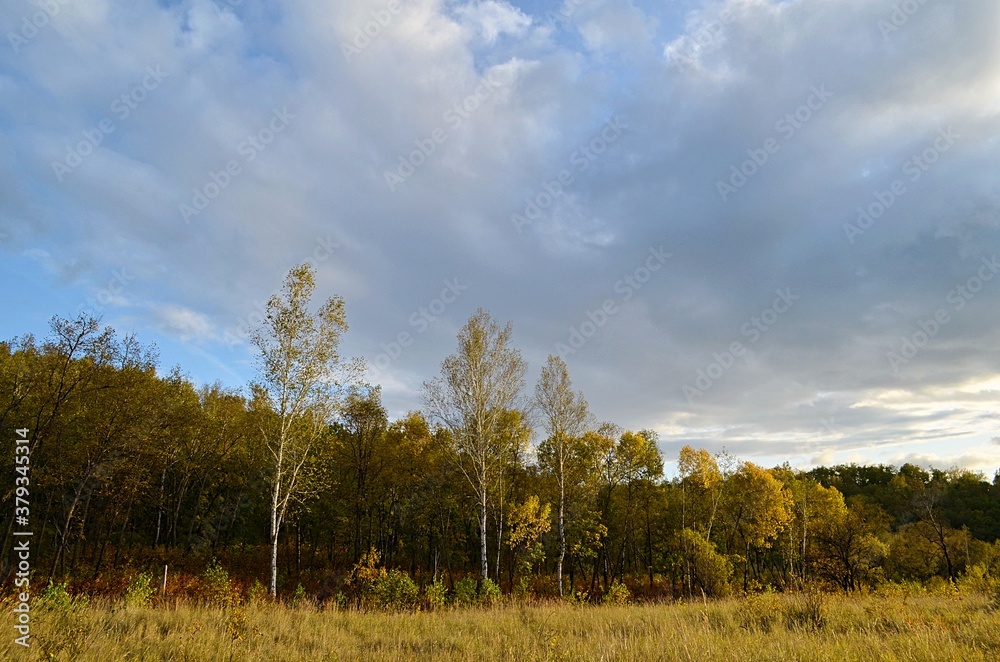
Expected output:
(491, 19)
(184, 323)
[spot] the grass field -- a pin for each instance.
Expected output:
(767, 626)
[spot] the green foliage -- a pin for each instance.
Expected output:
(468, 592)
(436, 595)
(140, 590)
(360, 583)
(761, 611)
(489, 593)
(617, 594)
(465, 591)
(395, 591)
(257, 593)
(299, 597)
(216, 587)
(710, 571)
(55, 597)
(522, 590)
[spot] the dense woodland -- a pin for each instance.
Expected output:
(133, 469)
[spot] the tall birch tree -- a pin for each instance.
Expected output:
(473, 395)
(565, 415)
(302, 379)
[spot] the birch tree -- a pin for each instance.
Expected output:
(477, 388)
(565, 416)
(302, 378)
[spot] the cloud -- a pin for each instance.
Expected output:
(184, 323)
(492, 19)
(806, 110)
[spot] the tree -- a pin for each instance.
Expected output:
(565, 414)
(708, 569)
(759, 510)
(701, 476)
(639, 465)
(362, 458)
(849, 551)
(528, 521)
(927, 504)
(477, 387)
(302, 376)
(512, 439)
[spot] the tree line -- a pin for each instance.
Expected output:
(302, 476)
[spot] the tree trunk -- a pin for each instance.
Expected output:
(562, 533)
(274, 540)
(483, 552)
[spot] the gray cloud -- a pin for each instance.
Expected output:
(696, 104)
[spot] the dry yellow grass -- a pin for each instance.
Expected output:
(769, 627)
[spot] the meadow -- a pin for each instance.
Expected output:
(884, 625)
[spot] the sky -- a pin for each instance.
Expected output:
(770, 227)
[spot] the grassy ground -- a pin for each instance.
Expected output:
(960, 627)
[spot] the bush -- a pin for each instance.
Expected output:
(299, 597)
(55, 597)
(941, 587)
(257, 593)
(140, 590)
(710, 571)
(618, 594)
(237, 623)
(435, 595)
(395, 591)
(975, 579)
(465, 591)
(360, 582)
(217, 589)
(761, 611)
(469, 591)
(489, 593)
